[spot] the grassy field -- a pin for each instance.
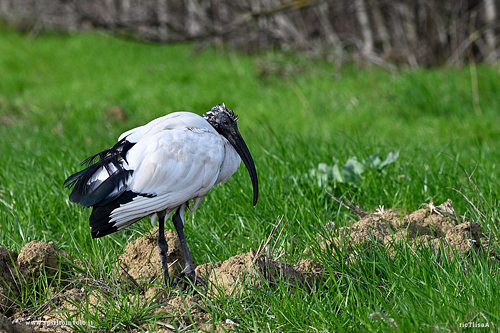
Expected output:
(295, 113)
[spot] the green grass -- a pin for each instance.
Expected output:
(54, 93)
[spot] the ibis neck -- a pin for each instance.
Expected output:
(230, 164)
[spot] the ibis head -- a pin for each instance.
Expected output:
(225, 123)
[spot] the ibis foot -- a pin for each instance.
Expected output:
(188, 276)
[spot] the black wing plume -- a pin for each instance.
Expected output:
(89, 193)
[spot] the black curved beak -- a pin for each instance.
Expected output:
(232, 135)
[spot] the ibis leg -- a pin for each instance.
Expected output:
(188, 272)
(163, 248)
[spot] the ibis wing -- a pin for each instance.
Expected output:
(169, 168)
(172, 121)
(109, 173)
(103, 180)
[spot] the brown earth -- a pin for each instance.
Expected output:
(25, 268)
(141, 260)
(8, 289)
(42, 258)
(438, 228)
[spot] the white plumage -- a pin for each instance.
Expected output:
(177, 158)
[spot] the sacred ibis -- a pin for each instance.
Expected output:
(156, 170)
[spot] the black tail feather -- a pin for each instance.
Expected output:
(99, 220)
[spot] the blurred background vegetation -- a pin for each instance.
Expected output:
(414, 33)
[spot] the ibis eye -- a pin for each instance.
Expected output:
(225, 122)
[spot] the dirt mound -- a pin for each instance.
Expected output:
(8, 287)
(304, 274)
(250, 269)
(182, 311)
(437, 227)
(42, 258)
(230, 274)
(25, 268)
(185, 309)
(141, 260)
(21, 271)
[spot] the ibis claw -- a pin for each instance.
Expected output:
(187, 277)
